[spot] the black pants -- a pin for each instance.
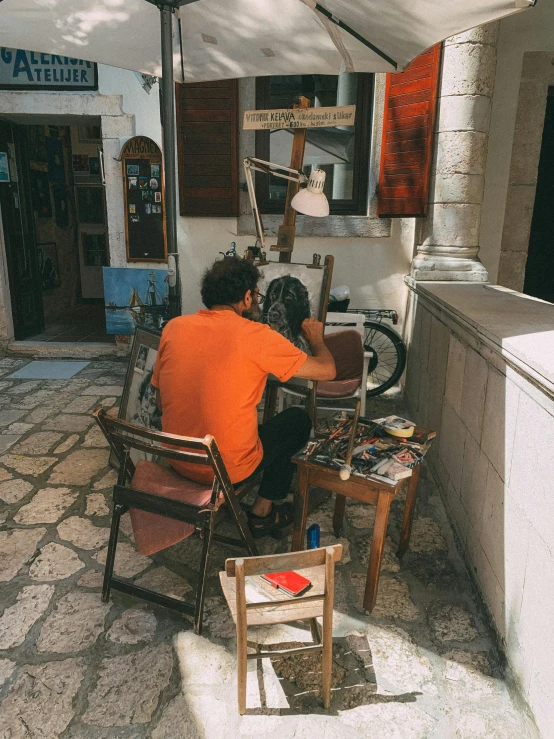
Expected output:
(281, 437)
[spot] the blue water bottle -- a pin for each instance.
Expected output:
(312, 536)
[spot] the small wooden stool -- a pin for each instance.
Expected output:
(377, 493)
(318, 565)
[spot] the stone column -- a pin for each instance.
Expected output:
(447, 238)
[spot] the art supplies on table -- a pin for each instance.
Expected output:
(391, 469)
(422, 436)
(408, 457)
(346, 469)
(367, 448)
(397, 426)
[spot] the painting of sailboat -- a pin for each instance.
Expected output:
(135, 297)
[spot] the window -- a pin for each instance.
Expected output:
(343, 152)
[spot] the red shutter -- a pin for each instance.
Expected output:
(207, 145)
(408, 128)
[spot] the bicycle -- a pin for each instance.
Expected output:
(389, 351)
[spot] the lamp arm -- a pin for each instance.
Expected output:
(251, 163)
(253, 203)
(270, 168)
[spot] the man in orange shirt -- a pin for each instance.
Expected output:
(211, 372)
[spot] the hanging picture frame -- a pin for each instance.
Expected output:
(4, 167)
(94, 246)
(90, 204)
(40, 193)
(90, 134)
(48, 265)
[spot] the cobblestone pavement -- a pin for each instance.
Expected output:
(423, 665)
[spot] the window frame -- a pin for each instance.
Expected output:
(358, 204)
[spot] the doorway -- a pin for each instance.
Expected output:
(54, 224)
(539, 272)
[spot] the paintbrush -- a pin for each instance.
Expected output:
(346, 469)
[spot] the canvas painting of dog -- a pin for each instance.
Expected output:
(293, 292)
(285, 306)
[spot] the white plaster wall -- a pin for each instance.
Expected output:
(494, 417)
(532, 30)
(135, 100)
(374, 269)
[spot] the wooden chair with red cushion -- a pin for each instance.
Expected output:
(351, 362)
(166, 507)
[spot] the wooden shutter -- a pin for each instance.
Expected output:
(408, 128)
(207, 144)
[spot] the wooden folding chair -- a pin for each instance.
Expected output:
(318, 565)
(150, 491)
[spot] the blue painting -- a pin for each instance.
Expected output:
(135, 297)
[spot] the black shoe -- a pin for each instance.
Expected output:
(277, 523)
(283, 525)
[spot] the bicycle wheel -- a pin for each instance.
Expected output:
(389, 357)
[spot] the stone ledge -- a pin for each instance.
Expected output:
(514, 326)
(65, 350)
(337, 226)
(60, 103)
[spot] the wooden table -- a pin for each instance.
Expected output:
(377, 493)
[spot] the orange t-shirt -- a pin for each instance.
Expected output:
(211, 371)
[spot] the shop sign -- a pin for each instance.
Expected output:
(341, 115)
(33, 70)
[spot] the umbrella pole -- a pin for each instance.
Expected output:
(170, 168)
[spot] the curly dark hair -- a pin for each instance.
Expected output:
(227, 281)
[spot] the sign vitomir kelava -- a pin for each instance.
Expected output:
(24, 70)
(299, 118)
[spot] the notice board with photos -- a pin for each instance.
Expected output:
(145, 233)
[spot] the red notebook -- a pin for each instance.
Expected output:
(289, 582)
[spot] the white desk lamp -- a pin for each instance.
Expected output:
(310, 201)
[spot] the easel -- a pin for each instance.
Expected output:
(299, 117)
(270, 405)
(339, 115)
(287, 230)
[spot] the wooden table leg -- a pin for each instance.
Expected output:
(338, 515)
(376, 553)
(301, 509)
(409, 509)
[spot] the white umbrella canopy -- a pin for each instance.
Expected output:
(223, 39)
(245, 38)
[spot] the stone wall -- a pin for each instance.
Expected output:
(519, 93)
(480, 371)
(536, 78)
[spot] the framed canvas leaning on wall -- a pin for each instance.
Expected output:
(138, 402)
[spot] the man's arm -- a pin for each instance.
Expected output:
(320, 366)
